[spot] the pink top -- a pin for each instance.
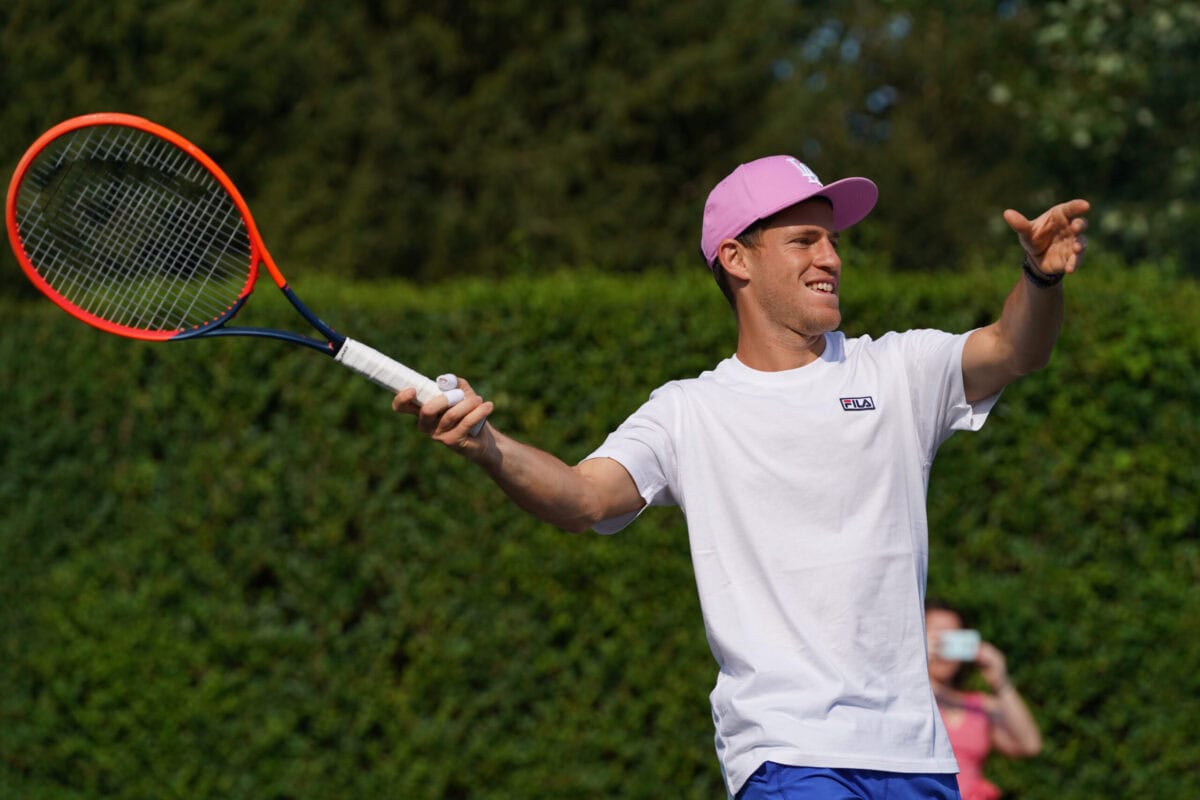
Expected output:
(971, 739)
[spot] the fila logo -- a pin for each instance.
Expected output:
(858, 404)
(808, 173)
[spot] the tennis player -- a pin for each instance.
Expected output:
(801, 463)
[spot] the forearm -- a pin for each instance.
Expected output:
(540, 483)
(1029, 324)
(1019, 730)
(1018, 343)
(573, 498)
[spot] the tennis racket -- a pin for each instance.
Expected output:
(131, 228)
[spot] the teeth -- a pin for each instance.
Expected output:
(822, 287)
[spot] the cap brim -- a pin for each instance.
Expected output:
(852, 199)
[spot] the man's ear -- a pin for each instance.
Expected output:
(732, 255)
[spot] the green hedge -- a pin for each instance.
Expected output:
(228, 571)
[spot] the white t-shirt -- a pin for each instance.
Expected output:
(804, 492)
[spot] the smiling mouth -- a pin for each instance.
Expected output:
(823, 287)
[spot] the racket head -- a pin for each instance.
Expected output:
(131, 228)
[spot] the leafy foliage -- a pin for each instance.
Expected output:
(423, 140)
(1122, 89)
(227, 571)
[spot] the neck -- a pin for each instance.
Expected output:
(775, 354)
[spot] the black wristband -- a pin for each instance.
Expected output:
(1038, 278)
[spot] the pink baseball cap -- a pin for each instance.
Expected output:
(760, 188)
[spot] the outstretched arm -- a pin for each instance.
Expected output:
(572, 498)
(1023, 338)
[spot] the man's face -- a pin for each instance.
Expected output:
(795, 271)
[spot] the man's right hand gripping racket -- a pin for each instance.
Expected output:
(132, 229)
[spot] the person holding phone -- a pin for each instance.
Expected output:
(977, 722)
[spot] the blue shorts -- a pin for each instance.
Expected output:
(774, 781)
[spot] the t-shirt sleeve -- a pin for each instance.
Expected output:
(939, 397)
(644, 447)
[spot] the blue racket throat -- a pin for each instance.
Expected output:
(329, 347)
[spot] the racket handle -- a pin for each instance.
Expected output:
(394, 376)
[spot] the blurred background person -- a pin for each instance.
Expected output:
(976, 721)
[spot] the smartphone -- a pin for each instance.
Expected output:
(960, 645)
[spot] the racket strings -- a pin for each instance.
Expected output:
(132, 229)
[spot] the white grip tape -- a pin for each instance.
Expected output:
(387, 372)
(391, 374)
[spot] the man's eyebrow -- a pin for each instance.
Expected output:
(803, 231)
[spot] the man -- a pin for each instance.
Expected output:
(801, 464)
